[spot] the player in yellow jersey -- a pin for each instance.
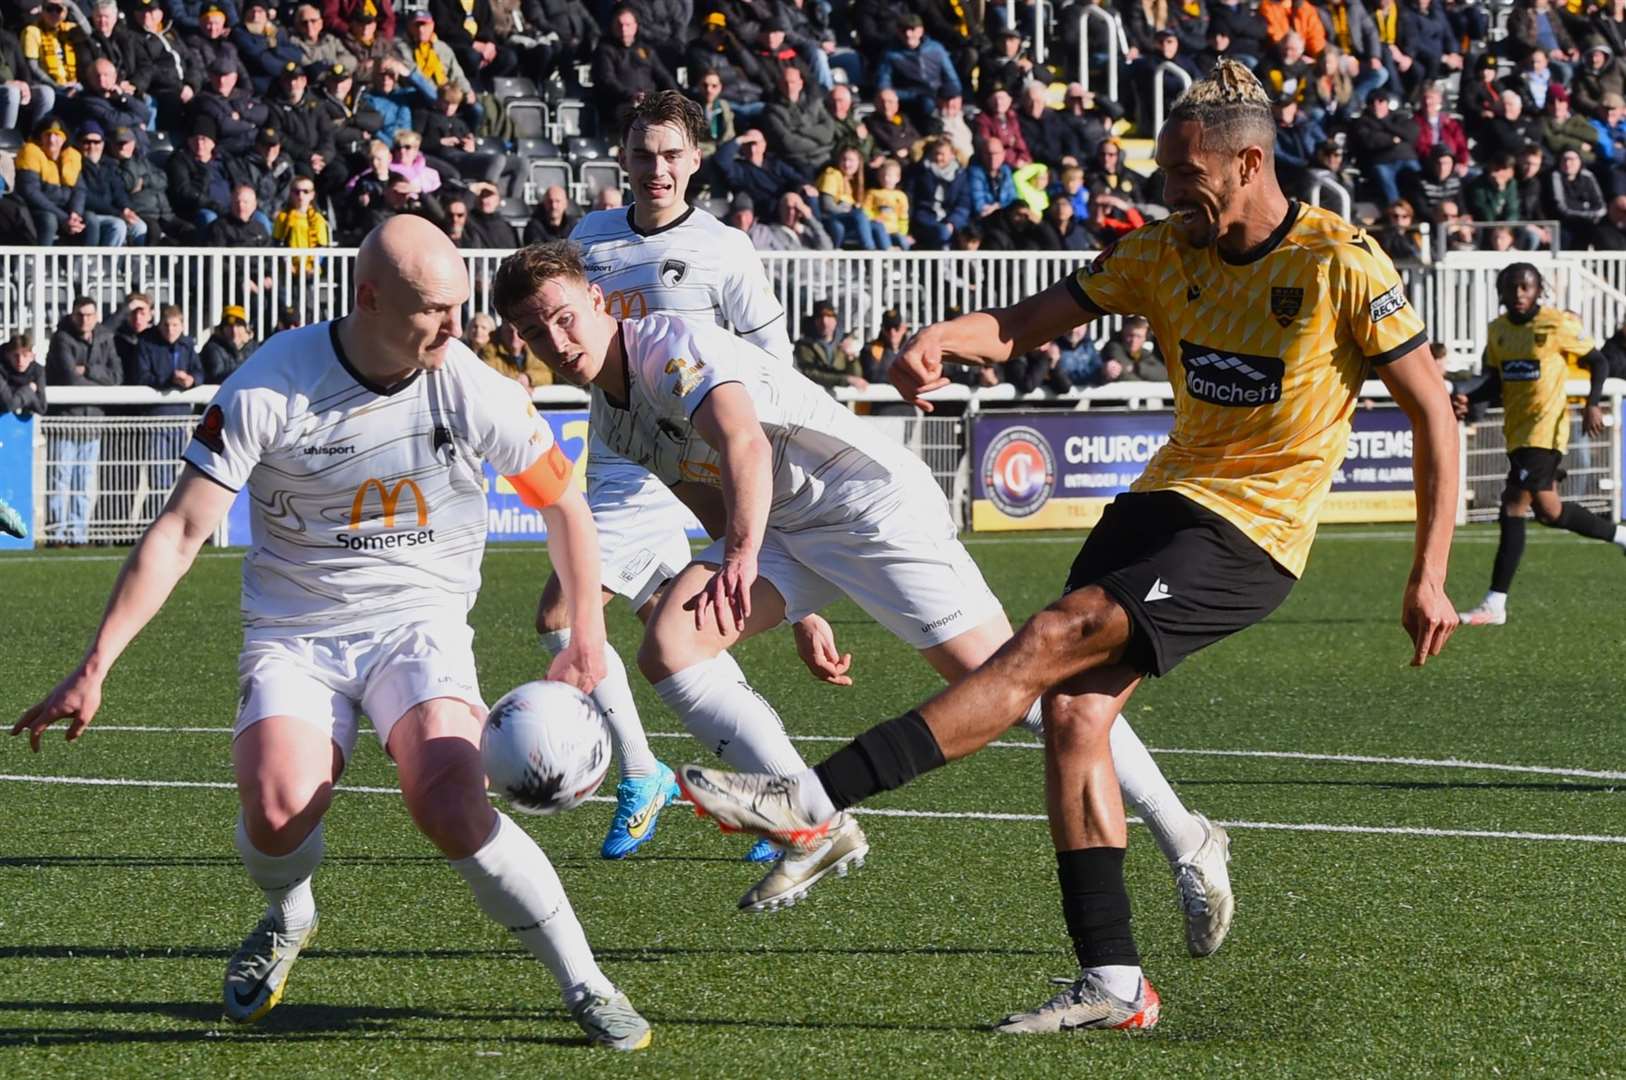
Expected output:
(1271, 314)
(1527, 358)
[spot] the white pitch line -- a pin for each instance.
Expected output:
(1012, 744)
(930, 815)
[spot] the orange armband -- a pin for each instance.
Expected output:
(541, 485)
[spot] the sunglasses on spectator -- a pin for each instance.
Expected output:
(91, 140)
(304, 191)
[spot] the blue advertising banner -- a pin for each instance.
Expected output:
(508, 517)
(17, 474)
(1059, 470)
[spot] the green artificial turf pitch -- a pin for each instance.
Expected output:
(1443, 951)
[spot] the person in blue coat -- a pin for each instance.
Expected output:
(939, 197)
(918, 68)
(166, 359)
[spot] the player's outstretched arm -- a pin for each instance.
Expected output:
(160, 559)
(1426, 613)
(573, 547)
(984, 337)
(728, 422)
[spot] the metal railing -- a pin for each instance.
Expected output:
(1320, 182)
(1589, 466)
(1167, 66)
(1117, 45)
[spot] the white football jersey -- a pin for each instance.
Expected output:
(696, 267)
(369, 502)
(828, 465)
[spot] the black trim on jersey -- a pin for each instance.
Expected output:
(364, 381)
(1390, 355)
(1082, 298)
(764, 326)
(626, 370)
(207, 475)
(1269, 243)
(633, 224)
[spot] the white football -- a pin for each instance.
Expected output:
(546, 747)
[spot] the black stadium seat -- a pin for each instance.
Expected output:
(536, 148)
(543, 173)
(529, 117)
(512, 86)
(582, 148)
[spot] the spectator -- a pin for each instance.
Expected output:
(50, 45)
(455, 223)
(450, 138)
(1404, 73)
(746, 166)
(1398, 235)
(109, 220)
(577, 31)
(410, 162)
(134, 321)
(236, 114)
(735, 71)
(624, 67)
(1297, 138)
(432, 59)
(819, 355)
(893, 132)
(1492, 195)
(1534, 26)
(263, 46)
(478, 330)
(1111, 218)
(888, 205)
(392, 101)
(168, 70)
(1150, 68)
(211, 41)
(1601, 74)
(469, 29)
(951, 124)
(229, 346)
(1530, 177)
(1611, 131)
(797, 125)
(1425, 35)
(1088, 121)
(1071, 235)
(1611, 233)
(1329, 90)
(243, 225)
(1004, 65)
(507, 352)
(998, 121)
(553, 218)
(1282, 17)
(773, 52)
(1042, 128)
(1436, 127)
(851, 130)
(1109, 175)
(1437, 183)
(1078, 360)
(939, 196)
(1576, 201)
(48, 184)
(1131, 355)
(354, 123)
(111, 40)
(82, 353)
(370, 46)
(841, 200)
(1609, 22)
(189, 14)
(719, 114)
(1531, 79)
(879, 355)
(299, 224)
(306, 129)
(1480, 101)
(993, 187)
(1562, 130)
(917, 68)
(490, 228)
(266, 169)
(166, 360)
(742, 213)
(23, 101)
(1073, 190)
(316, 45)
(1037, 370)
(22, 390)
(1290, 70)
(1018, 228)
(340, 16)
(1243, 32)
(147, 184)
(105, 101)
(794, 228)
(1331, 161)
(608, 198)
(1508, 131)
(197, 179)
(1383, 144)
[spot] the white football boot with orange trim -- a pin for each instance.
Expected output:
(1086, 1004)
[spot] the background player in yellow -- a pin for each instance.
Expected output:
(1528, 354)
(1271, 313)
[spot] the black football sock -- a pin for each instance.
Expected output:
(886, 756)
(1509, 551)
(1578, 519)
(1096, 906)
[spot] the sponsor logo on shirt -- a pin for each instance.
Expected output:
(1388, 302)
(688, 375)
(1521, 370)
(1019, 471)
(211, 430)
(673, 271)
(1221, 377)
(329, 451)
(389, 498)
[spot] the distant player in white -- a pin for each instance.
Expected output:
(823, 504)
(661, 254)
(360, 444)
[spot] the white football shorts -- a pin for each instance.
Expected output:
(330, 681)
(641, 527)
(903, 564)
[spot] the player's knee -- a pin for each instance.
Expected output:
(551, 613)
(448, 804)
(1548, 515)
(1063, 629)
(663, 653)
(279, 817)
(1077, 723)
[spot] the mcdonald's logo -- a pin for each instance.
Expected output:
(387, 500)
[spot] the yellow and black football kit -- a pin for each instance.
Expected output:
(1266, 353)
(1531, 360)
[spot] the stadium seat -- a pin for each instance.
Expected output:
(543, 173)
(598, 175)
(579, 148)
(513, 86)
(490, 144)
(159, 155)
(536, 148)
(11, 140)
(156, 139)
(571, 117)
(529, 117)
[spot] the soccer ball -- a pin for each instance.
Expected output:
(546, 747)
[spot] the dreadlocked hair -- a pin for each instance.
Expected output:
(1232, 107)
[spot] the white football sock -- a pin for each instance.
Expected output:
(1149, 794)
(718, 706)
(1620, 536)
(1123, 980)
(1494, 601)
(514, 883)
(613, 695)
(285, 879)
(1033, 719)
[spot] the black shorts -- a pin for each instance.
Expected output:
(1185, 576)
(1534, 469)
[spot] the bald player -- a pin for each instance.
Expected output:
(360, 443)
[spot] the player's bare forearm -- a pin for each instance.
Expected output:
(995, 336)
(159, 560)
(573, 549)
(747, 466)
